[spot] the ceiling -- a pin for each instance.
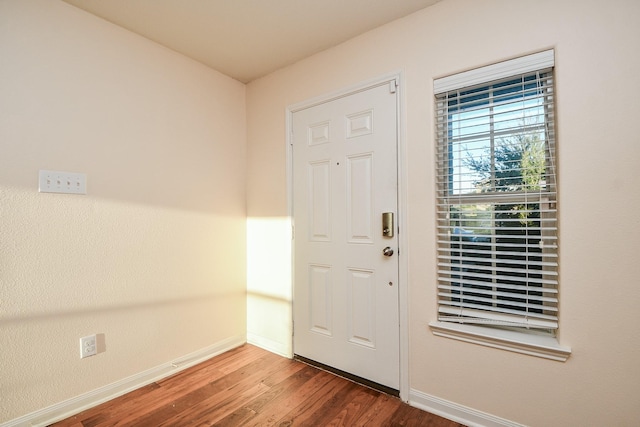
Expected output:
(247, 39)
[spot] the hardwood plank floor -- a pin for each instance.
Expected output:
(248, 386)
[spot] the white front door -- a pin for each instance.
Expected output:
(345, 281)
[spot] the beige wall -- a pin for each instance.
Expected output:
(153, 257)
(597, 62)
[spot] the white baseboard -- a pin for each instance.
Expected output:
(455, 412)
(269, 345)
(93, 398)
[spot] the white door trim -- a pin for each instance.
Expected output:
(402, 205)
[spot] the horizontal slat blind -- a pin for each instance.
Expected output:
(497, 205)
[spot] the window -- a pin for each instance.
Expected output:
(496, 196)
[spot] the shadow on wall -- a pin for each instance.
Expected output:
(98, 311)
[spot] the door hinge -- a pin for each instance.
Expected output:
(393, 86)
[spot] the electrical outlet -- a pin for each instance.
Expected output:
(88, 346)
(62, 182)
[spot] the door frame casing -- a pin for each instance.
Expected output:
(403, 294)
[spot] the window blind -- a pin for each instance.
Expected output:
(496, 200)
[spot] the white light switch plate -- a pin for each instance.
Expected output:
(62, 182)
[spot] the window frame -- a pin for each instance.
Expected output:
(520, 339)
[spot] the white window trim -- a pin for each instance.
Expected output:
(521, 65)
(543, 346)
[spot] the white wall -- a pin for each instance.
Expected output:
(153, 257)
(597, 62)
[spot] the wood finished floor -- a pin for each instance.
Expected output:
(249, 386)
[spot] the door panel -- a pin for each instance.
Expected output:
(360, 210)
(362, 313)
(320, 299)
(320, 201)
(345, 289)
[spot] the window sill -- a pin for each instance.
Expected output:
(533, 345)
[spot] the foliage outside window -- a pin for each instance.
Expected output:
(496, 207)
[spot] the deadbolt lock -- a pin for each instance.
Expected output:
(387, 224)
